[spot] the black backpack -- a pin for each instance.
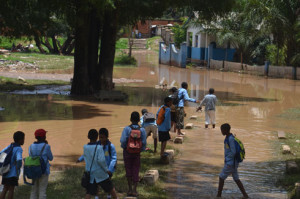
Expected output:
(176, 98)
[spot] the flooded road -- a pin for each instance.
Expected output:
(254, 106)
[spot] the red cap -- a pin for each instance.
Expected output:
(40, 133)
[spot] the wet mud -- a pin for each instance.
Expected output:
(254, 106)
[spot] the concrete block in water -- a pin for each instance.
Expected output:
(178, 140)
(170, 153)
(151, 177)
(286, 149)
(193, 117)
(189, 126)
(281, 135)
(291, 167)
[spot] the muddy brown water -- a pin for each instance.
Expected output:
(254, 106)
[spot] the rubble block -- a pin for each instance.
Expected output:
(281, 135)
(171, 153)
(151, 177)
(291, 167)
(298, 141)
(193, 117)
(189, 125)
(286, 149)
(178, 140)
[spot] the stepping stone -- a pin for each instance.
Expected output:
(151, 177)
(297, 189)
(170, 153)
(291, 167)
(178, 140)
(281, 135)
(286, 149)
(193, 117)
(189, 125)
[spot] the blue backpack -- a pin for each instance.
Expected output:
(34, 166)
(5, 159)
(239, 147)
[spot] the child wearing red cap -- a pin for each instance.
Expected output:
(41, 148)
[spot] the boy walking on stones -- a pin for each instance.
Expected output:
(209, 101)
(180, 114)
(231, 163)
(133, 142)
(10, 179)
(149, 124)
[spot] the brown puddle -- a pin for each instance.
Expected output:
(254, 106)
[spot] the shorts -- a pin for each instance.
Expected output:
(106, 185)
(229, 169)
(12, 181)
(151, 129)
(173, 116)
(180, 118)
(164, 136)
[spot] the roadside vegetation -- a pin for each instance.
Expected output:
(288, 180)
(67, 183)
(153, 43)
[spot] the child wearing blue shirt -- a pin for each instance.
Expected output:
(164, 128)
(10, 179)
(97, 167)
(109, 150)
(231, 164)
(41, 147)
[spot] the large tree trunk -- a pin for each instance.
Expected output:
(54, 44)
(94, 38)
(38, 42)
(291, 48)
(81, 84)
(108, 47)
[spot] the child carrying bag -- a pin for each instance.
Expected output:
(5, 159)
(34, 167)
(85, 180)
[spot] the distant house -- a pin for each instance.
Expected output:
(201, 46)
(151, 28)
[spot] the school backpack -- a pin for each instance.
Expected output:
(161, 115)
(134, 143)
(149, 117)
(5, 159)
(239, 147)
(34, 166)
(176, 98)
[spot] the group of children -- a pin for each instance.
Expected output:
(100, 155)
(39, 148)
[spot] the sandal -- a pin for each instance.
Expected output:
(129, 194)
(135, 194)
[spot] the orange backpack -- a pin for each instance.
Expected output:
(161, 115)
(134, 143)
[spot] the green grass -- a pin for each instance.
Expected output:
(66, 184)
(291, 114)
(153, 43)
(125, 60)
(11, 84)
(288, 180)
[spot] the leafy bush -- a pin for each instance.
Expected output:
(179, 33)
(272, 55)
(124, 59)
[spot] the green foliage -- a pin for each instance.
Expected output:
(276, 56)
(124, 59)
(122, 43)
(180, 32)
(153, 43)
